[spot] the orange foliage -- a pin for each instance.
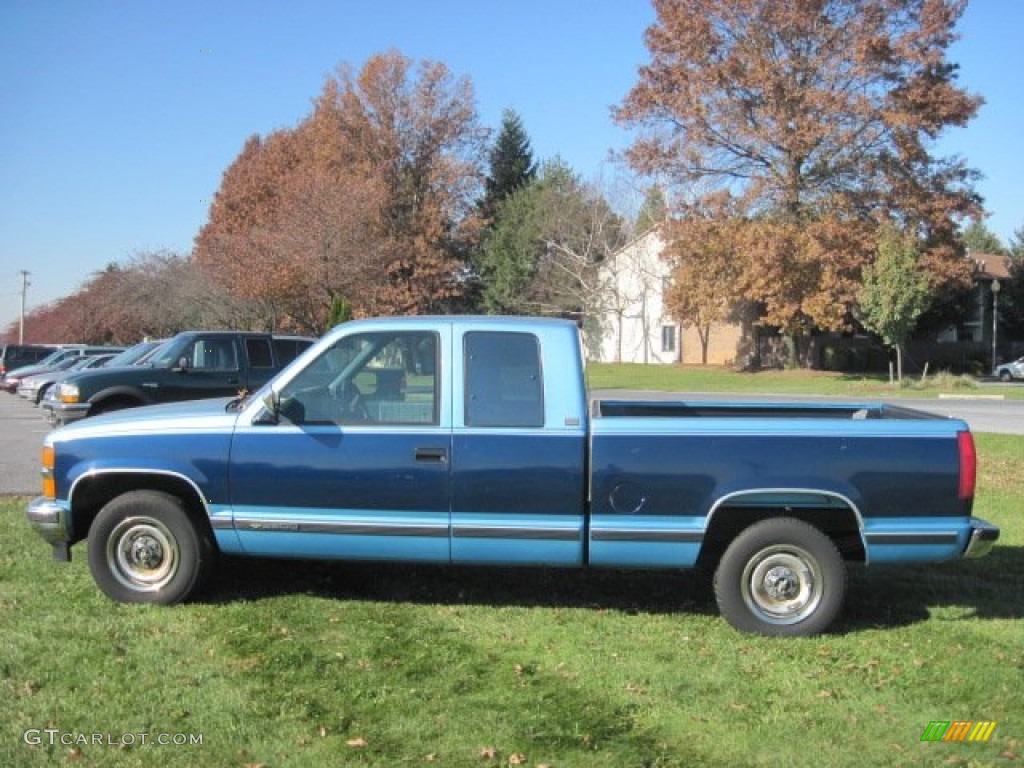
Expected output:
(818, 118)
(369, 198)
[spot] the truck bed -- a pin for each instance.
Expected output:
(753, 410)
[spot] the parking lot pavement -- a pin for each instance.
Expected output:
(21, 440)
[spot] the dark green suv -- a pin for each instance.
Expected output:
(190, 366)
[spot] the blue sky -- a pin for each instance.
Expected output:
(117, 118)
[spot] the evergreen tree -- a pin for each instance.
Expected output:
(980, 239)
(511, 164)
(653, 211)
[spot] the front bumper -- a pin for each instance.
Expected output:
(51, 521)
(982, 538)
(65, 413)
(29, 393)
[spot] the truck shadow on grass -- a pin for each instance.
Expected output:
(877, 597)
(901, 595)
(629, 591)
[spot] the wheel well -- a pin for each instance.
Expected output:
(115, 402)
(91, 494)
(838, 522)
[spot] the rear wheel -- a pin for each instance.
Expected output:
(1005, 376)
(144, 548)
(780, 577)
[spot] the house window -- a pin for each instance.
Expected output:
(668, 338)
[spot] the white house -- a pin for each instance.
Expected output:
(635, 327)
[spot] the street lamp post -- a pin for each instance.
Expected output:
(996, 287)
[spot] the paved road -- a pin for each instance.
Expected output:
(22, 428)
(21, 440)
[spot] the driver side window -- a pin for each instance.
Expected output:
(370, 378)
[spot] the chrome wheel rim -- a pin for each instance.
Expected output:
(142, 554)
(782, 584)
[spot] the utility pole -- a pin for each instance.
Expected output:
(21, 324)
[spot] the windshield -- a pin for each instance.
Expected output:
(51, 359)
(167, 355)
(131, 355)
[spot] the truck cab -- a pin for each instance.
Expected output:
(400, 454)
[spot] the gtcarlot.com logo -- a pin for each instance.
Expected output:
(54, 737)
(958, 730)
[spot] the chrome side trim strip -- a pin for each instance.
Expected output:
(647, 535)
(269, 525)
(514, 532)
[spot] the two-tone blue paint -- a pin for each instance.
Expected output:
(639, 485)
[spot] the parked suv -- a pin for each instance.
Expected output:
(17, 355)
(192, 365)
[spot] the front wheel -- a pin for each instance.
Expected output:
(144, 548)
(780, 577)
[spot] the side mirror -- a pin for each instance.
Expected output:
(183, 364)
(271, 408)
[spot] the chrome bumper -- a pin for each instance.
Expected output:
(65, 413)
(50, 520)
(983, 537)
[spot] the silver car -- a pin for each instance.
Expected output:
(1010, 371)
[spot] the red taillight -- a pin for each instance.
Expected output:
(968, 465)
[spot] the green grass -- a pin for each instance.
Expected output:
(693, 378)
(298, 664)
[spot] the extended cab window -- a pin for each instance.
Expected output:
(288, 349)
(503, 380)
(258, 351)
(213, 355)
(368, 378)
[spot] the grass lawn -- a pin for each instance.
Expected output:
(299, 664)
(695, 378)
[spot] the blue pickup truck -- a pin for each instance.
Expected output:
(472, 440)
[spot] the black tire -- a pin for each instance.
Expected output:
(144, 548)
(1005, 376)
(41, 393)
(782, 578)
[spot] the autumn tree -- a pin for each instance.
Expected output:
(705, 269)
(154, 293)
(370, 199)
(895, 291)
(236, 247)
(417, 126)
(820, 118)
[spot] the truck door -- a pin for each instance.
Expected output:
(517, 476)
(357, 463)
(212, 369)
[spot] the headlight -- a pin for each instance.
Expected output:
(68, 393)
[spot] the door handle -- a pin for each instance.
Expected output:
(437, 455)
